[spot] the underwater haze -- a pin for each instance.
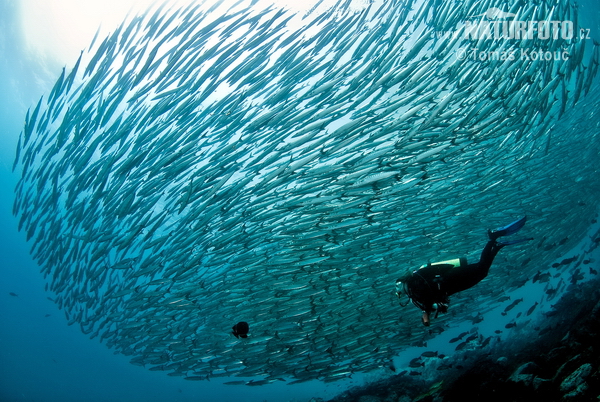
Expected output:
(193, 165)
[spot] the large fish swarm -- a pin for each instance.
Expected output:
(198, 168)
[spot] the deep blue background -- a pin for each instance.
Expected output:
(43, 359)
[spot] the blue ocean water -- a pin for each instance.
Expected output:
(44, 359)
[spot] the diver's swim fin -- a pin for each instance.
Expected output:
(511, 242)
(509, 229)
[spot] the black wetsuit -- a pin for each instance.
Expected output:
(433, 283)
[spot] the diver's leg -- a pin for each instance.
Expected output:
(481, 269)
(462, 278)
(487, 257)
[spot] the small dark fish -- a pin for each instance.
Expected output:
(241, 329)
(593, 271)
(47, 315)
(444, 366)
(512, 305)
(196, 377)
(498, 331)
(463, 334)
(567, 261)
(577, 276)
(511, 324)
(415, 363)
(458, 338)
(532, 308)
(429, 354)
(13, 294)
(414, 373)
(503, 299)
(541, 277)
(472, 337)
(461, 346)
(254, 383)
(477, 319)
(235, 383)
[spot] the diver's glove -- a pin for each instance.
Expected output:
(440, 308)
(425, 318)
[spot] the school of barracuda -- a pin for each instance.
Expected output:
(198, 168)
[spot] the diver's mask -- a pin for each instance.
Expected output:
(400, 291)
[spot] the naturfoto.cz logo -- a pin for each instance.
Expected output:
(498, 24)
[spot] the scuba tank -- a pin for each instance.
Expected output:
(455, 263)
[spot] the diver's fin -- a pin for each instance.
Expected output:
(511, 242)
(509, 229)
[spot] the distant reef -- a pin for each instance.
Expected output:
(560, 363)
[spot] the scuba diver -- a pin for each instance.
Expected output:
(429, 286)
